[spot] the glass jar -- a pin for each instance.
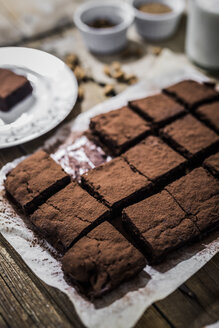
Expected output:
(202, 37)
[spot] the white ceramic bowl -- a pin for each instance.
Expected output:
(158, 26)
(104, 40)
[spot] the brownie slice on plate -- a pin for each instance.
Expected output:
(159, 109)
(212, 164)
(67, 215)
(198, 194)
(13, 89)
(158, 225)
(190, 137)
(155, 159)
(191, 93)
(119, 129)
(210, 114)
(100, 261)
(115, 183)
(34, 180)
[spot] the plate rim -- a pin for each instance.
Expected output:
(59, 121)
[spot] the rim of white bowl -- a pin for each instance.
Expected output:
(127, 20)
(156, 17)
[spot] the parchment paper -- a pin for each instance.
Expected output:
(124, 306)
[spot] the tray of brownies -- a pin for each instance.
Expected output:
(126, 208)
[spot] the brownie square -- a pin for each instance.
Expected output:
(190, 137)
(115, 183)
(13, 89)
(210, 115)
(191, 93)
(34, 180)
(158, 225)
(212, 164)
(159, 109)
(119, 129)
(198, 194)
(102, 260)
(155, 159)
(68, 215)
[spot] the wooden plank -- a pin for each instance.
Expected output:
(9, 154)
(27, 293)
(12, 309)
(196, 303)
(205, 285)
(3, 323)
(152, 318)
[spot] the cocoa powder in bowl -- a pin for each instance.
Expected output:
(155, 8)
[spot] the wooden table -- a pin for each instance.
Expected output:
(25, 301)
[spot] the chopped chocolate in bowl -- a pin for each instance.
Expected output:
(101, 23)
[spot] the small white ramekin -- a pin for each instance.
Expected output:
(104, 40)
(158, 26)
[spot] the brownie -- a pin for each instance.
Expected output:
(34, 180)
(210, 115)
(159, 109)
(191, 93)
(190, 137)
(13, 89)
(159, 225)
(155, 159)
(115, 183)
(212, 164)
(119, 129)
(198, 194)
(102, 260)
(67, 215)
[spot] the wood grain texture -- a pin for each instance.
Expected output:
(195, 303)
(152, 318)
(27, 300)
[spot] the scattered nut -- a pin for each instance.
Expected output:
(80, 93)
(106, 70)
(115, 71)
(130, 77)
(133, 80)
(157, 51)
(72, 60)
(79, 73)
(119, 75)
(109, 90)
(116, 66)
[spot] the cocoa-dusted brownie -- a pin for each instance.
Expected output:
(67, 215)
(155, 159)
(190, 137)
(159, 109)
(212, 164)
(34, 180)
(210, 115)
(158, 225)
(102, 260)
(119, 129)
(13, 89)
(198, 194)
(192, 93)
(115, 183)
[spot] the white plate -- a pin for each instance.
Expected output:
(54, 94)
